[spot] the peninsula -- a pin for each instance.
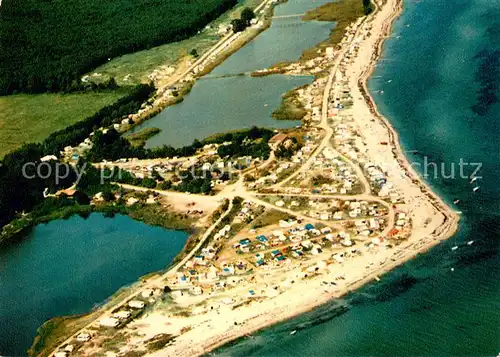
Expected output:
(333, 205)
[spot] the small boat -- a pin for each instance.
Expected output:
(293, 332)
(475, 189)
(377, 278)
(455, 247)
(452, 269)
(470, 242)
(389, 81)
(456, 202)
(473, 179)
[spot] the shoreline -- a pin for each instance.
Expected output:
(399, 155)
(444, 231)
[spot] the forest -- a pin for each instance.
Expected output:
(45, 46)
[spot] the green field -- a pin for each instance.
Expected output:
(31, 118)
(134, 68)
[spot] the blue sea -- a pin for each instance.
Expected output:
(438, 83)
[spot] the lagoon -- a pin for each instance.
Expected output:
(240, 101)
(70, 266)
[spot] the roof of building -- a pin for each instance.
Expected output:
(68, 192)
(278, 138)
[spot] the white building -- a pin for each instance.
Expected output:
(109, 322)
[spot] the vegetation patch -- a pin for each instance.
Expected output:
(343, 12)
(158, 342)
(269, 217)
(291, 107)
(288, 148)
(154, 215)
(55, 331)
(140, 138)
(32, 118)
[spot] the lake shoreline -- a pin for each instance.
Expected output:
(217, 54)
(84, 211)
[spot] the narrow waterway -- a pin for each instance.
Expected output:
(221, 104)
(438, 83)
(69, 266)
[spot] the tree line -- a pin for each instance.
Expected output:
(248, 142)
(243, 21)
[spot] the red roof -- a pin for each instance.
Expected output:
(278, 138)
(393, 232)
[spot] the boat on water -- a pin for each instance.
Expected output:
(456, 202)
(475, 189)
(473, 179)
(293, 332)
(455, 247)
(470, 242)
